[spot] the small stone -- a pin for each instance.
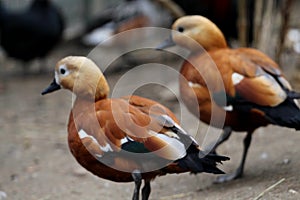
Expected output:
(286, 161)
(27, 143)
(106, 185)
(3, 195)
(14, 177)
(264, 155)
(293, 191)
(32, 169)
(79, 171)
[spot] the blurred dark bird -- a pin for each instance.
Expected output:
(31, 33)
(129, 14)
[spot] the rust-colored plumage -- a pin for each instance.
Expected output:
(124, 139)
(243, 87)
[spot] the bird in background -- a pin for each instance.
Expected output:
(127, 15)
(255, 91)
(128, 138)
(31, 33)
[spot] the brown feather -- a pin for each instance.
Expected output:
(117, 118)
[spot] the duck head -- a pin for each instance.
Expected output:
(81, 76)
(203, 32)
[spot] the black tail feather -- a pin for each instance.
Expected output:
(195, 160)
(286, 114)
(293, 95)
(198, 162)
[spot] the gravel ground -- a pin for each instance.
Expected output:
(35, 162)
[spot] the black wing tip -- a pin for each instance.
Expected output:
(216, 159)
(219, 158)
(196, 163)
(213, 156)
(293, 94)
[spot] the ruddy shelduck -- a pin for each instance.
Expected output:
(255, 91)
(128, 138)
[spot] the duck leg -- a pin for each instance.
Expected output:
(225, 136)
(146, 190)
(239, 172)
(137, 177)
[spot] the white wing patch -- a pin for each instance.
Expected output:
(178, 147)
(82, 134)
(228, 108)
(194, 85)
(125, 140)
(236, 78)
(172, 134)
(167, 121)
(106, 148)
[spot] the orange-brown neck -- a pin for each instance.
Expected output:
(212, 41)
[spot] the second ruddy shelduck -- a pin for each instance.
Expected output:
(124, 139)
(255, 90)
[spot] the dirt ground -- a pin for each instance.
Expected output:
(35, 163)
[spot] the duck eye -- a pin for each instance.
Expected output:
(62, 71)
(180, 29)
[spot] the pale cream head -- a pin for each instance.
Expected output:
(199, 28)
(81, 76)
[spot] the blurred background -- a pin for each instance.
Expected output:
(271, 26)
(35, 162)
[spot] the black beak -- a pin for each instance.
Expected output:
(165, 44)
(51, 88)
